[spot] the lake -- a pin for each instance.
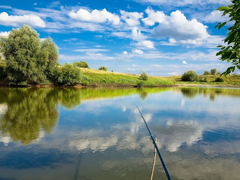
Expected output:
(98, 134)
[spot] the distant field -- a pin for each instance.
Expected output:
(105, 78)
(230, 80)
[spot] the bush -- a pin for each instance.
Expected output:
(85, 83)
(103, 68)
(206, 73)
(81, 64)
(140, 84)
(202, 79)
(143, 76)
(68, 75)
(219, 79)
(213, 71)
(218, 73)
(189, 76)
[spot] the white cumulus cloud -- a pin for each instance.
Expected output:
(146, 44)
(137, 35)
(125, 52)
(5, 33)
(215, 16)
(178, 27)
(131, 18)
(95, 16)
(16, 21)
(184, 2)
(184, 62)
(137, 51)
(153, 17)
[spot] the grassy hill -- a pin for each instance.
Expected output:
(92, 77)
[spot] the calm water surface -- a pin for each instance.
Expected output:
(98, 134)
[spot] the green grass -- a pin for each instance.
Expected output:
(230, 80)
(103, 78)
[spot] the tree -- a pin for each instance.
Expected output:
(81, 64)
(143, 76)
(68, 75)
(49, 48)
(231, 51)
(206, 73)
(189, 76)
(213, 71)
(103, 68)
(28, 60)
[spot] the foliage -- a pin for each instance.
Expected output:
(28, 60)
(3, 74)
(49, 47)
(81, 64)
(143, 76)
(213, 71)
(103, 68)
(140, 84)
(189, 76)
(85, 83)
(206, 73)
(219, 79)
(68, 75)
(231, 51)
(218, 73)
(202, 79)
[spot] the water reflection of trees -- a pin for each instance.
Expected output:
(32, 110)
(191, 92)
(28, 112)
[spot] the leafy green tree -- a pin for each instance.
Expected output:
(68, 75)
(81, 64)
(213, 71)
(231, 51)
(143, 76)
(26, 57)
(103, 68)
(49, 48)
(206, 73)
(189, 76)
(219, 79)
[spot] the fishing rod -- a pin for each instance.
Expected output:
(155, 144)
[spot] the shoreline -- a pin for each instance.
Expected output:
(80, 86)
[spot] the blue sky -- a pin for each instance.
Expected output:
(161, 37)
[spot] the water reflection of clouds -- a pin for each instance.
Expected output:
(178, 133)
(3, 109)
(5, 140)
(172, 132)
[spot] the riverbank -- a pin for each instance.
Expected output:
(210, 80)
(98, 78)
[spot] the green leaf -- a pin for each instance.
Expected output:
(221, 25)
(223, 8)
(217, 25)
